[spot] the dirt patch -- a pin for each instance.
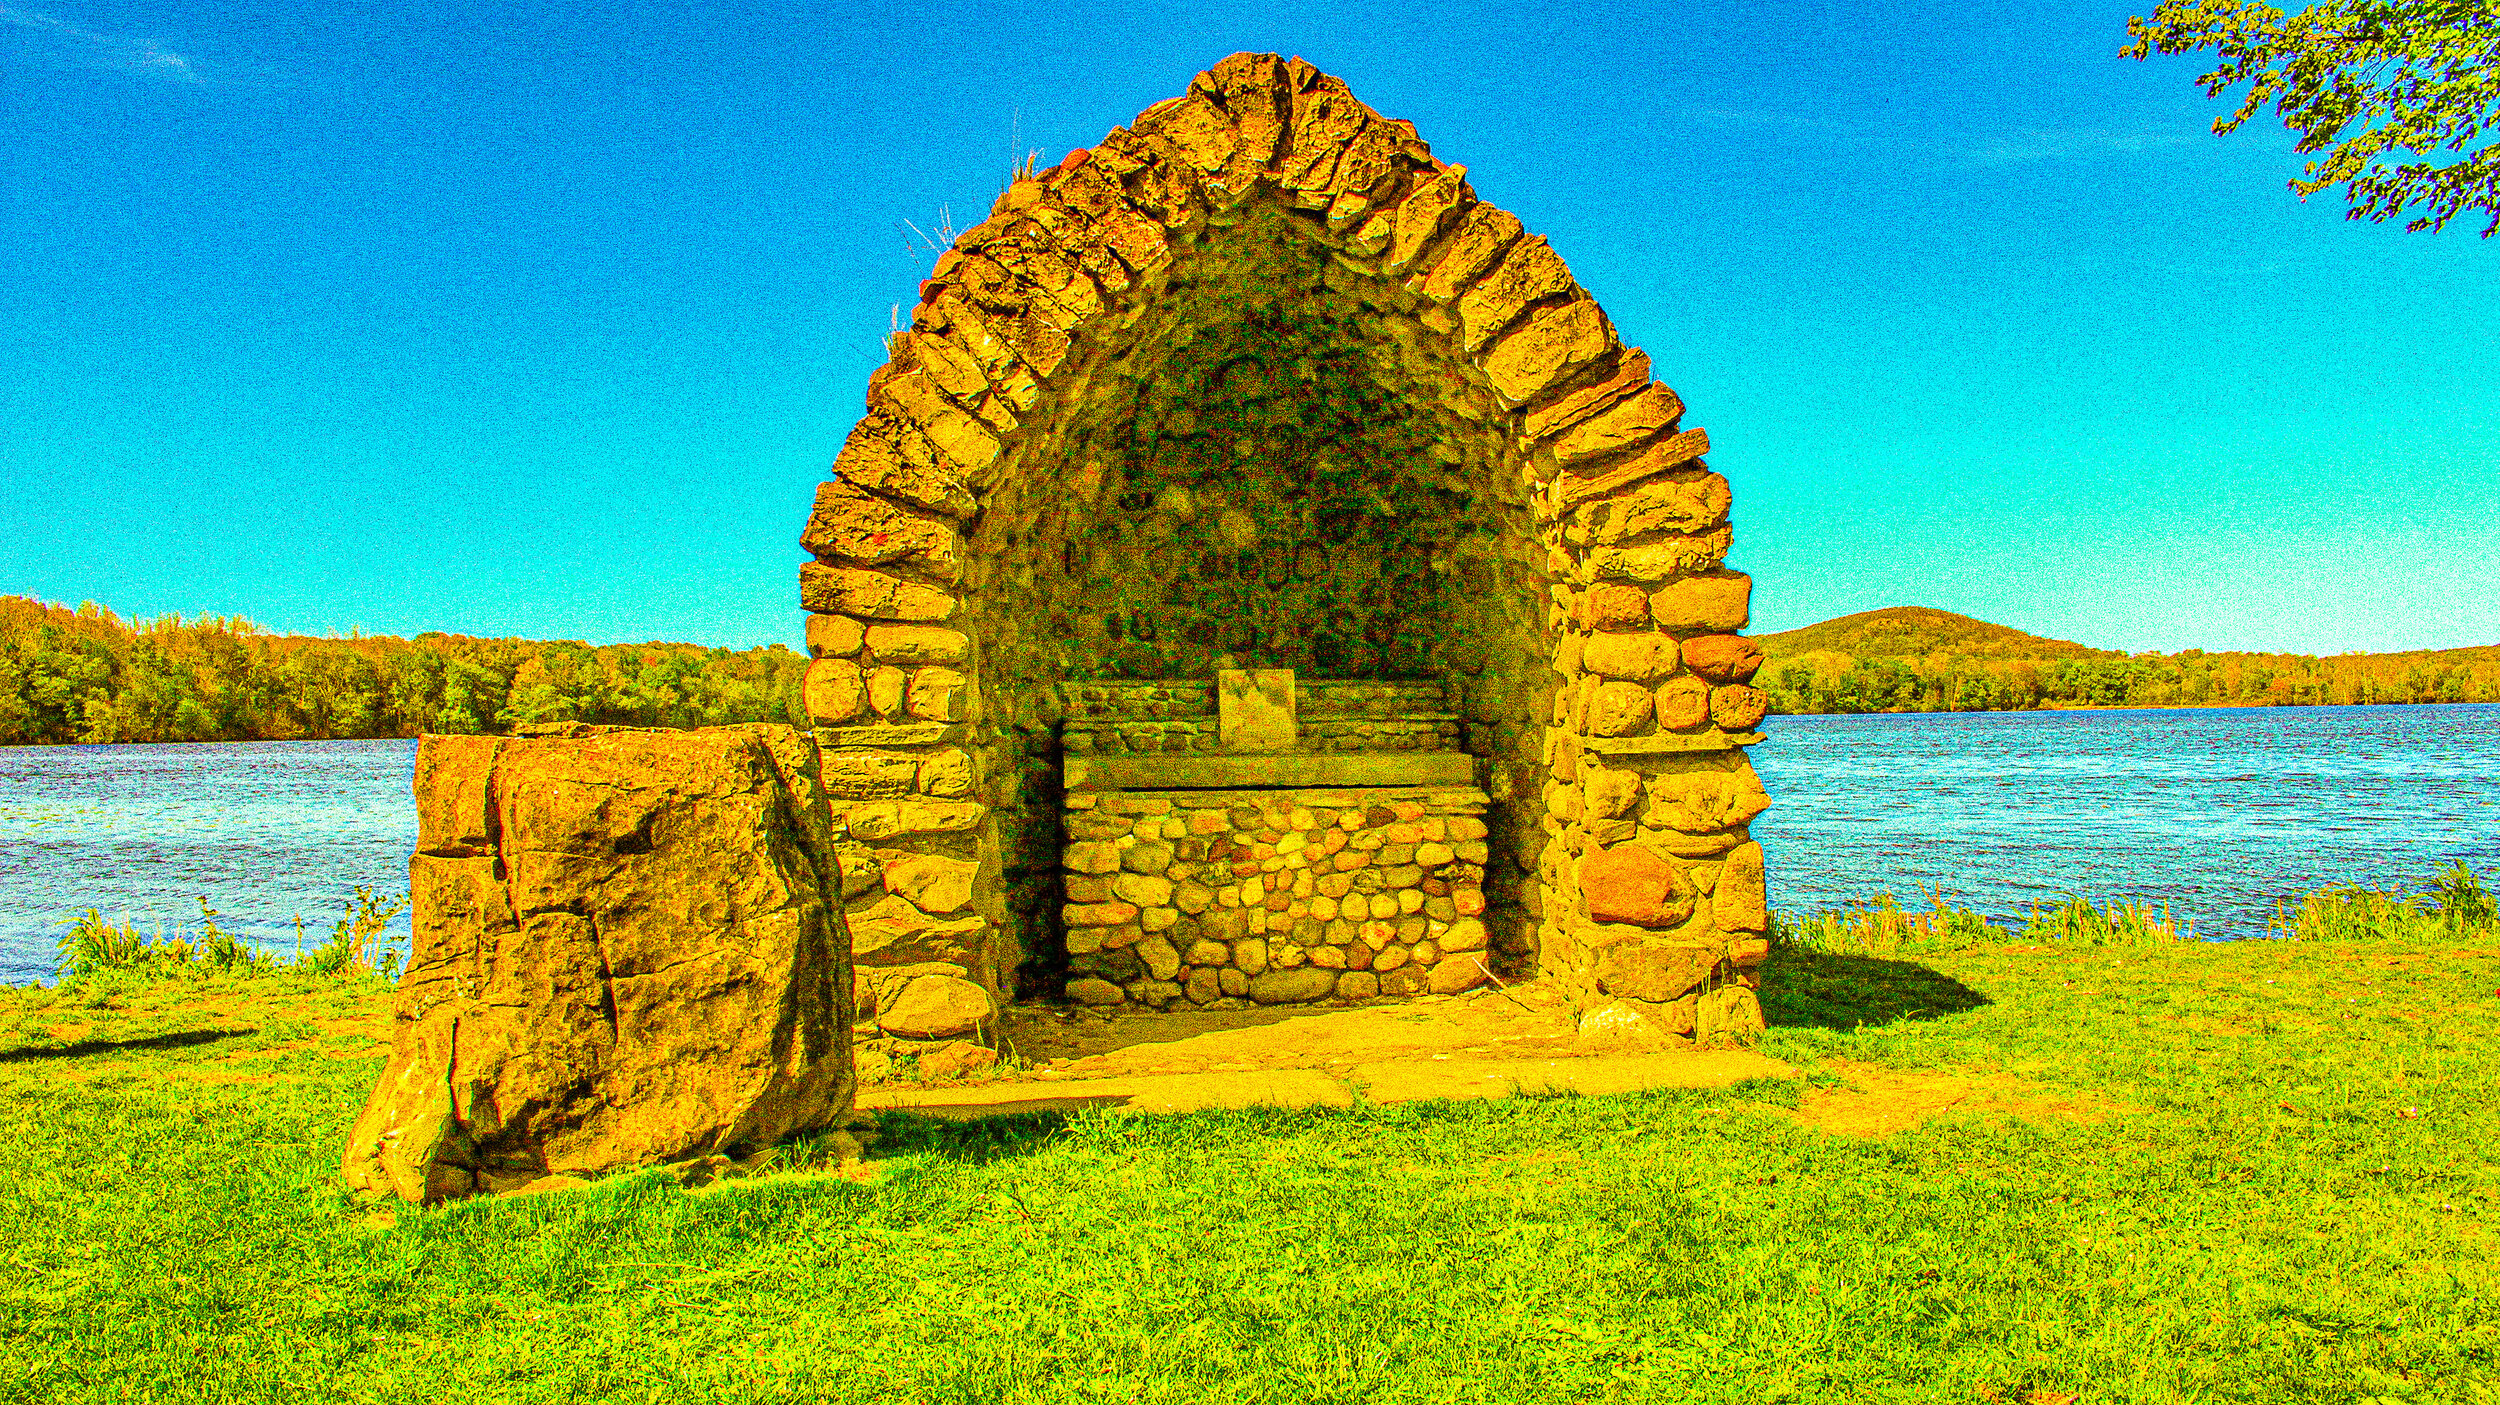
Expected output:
(1082, 1044)
(1880, 1101)
(1490, 1044)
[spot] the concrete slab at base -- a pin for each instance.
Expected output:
(1377, 1083)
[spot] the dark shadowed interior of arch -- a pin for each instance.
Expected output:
(1263, 458)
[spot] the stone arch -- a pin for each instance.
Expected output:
(1254, 382)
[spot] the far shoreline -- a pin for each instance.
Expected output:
(2128, 707)
(1921, 712)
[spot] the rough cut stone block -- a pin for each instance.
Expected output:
(914, 643)
(1607, 792)
(833, 636)
(1618, 708)
(1615, 607)
(1683, 704)
(1654, 971)
(1723, 658)
(1661, 559)
(1650, 412)
(862, 529)
(889, 454)
(947, 774)
(1671, 454)
(937, 1007)
(1634, 885)
(1324, 120)
(870, 775)
(454, 787)
(1427, 210)
(892, 931)
(1639, 657)
(870, 594)
(1706, 800)
(1530, 272)
(1630, 374)
(886, 819)
(1681, 500)
(1737, 905)
(1553, 345)
(934, 883)
(1294, 986)
(1737, 708)
(662, 975)
(1093, 856)
(1481, 237)
(884, 686)
(833, 688)
(938, 695)
(1729, 1014)
(1708, 604)
(949, 363)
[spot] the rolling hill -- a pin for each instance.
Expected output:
(1911, 658)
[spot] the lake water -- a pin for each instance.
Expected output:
(266, 831)
(2218, 811)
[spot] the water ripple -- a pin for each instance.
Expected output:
(2221, 812)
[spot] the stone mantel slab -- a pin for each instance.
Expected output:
(1259, 772)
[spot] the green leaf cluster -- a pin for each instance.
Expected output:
(2362, 81)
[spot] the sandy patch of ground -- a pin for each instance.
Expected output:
(1879, 1101)
(1486, 1045)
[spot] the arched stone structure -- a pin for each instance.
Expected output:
(1257, 383)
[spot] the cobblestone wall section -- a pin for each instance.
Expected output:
(1567, 540)
(1274, 897)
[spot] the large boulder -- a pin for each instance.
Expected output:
(628, 950)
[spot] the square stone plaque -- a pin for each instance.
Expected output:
(1254, 709)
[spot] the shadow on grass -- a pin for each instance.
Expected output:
(980, 1141)
(987, 1137)
(85, 1047)
(1839, 990)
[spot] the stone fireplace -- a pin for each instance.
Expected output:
(1221, 845)
(1261, 574)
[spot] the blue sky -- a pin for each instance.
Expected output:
(546, 320)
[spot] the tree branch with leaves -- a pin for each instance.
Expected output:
(2362, 81)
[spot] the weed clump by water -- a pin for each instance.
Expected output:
(2116, 922)
(1882, 924)
(2455, 907)
(95, 947)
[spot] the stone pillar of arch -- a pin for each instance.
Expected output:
(1257, 381)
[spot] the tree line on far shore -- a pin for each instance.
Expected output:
(85, 675)
(1909, 659)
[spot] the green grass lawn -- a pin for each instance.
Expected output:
(2278, 1184)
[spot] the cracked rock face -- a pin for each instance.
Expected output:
(628, 950)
